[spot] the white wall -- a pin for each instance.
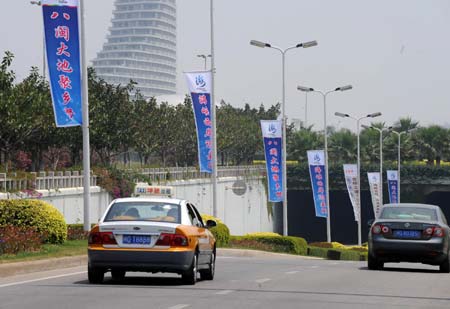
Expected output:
(242, 214)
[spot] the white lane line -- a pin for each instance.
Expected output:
(291, 272)
(179, 306)
(224, 292)
(42, 279)
(314, 266)
(262, 280)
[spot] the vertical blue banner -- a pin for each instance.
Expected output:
(392, 178)
(316, 161)
(272, 134)
(62, 44)
(199, 84)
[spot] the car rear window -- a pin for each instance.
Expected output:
(409, 213)
(144, 211)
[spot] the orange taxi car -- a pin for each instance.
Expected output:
(151, 234)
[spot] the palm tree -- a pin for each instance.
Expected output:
(433, 143)
(342, 146)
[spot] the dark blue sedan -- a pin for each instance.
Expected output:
(416, 233)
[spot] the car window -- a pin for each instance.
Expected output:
(198, 215)
(444, 219)
(193, 217)
(409, 213)
(144, 211)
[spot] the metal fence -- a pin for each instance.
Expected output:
(68, 179)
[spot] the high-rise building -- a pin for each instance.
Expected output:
(141, 46)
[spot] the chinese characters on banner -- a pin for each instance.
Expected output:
(392, 178)
(375, 192)
(199, 84)
(316, 161)
(272, 135)
(63, 59)
(351, 180)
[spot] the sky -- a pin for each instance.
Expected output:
(395, 53)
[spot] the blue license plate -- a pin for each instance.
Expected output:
(136, 239)
(411, 234)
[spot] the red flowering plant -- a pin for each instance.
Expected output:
(15, 239)
(118, 182)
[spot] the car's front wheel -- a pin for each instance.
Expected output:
(444, 267)
(190, 276)
(208, 274)
(373, 263)
(95, 275)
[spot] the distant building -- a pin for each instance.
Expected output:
(141, 47)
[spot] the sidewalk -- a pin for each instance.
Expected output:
(17, 268)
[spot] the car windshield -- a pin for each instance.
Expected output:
(144, 211)
(409, 213)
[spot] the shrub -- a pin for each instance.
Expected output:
(15, 239)
(220, 231)
(287, 244)
(334, 245)
(47, 220)
(76, 232)
(337, 254)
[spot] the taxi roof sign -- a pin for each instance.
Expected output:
(146, 189)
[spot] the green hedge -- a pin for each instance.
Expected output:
(285, 244)
(47, 220)
(221, 232)
(337, 254)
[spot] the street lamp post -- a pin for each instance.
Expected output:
(399, 134)
(380, 131)
(373, 115)
(327, 191)
(205, 57)
(283, 111)
(39, 3)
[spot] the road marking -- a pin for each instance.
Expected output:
(262, 280)
(179, 306)
(314, 266)
(291, 272)
(224, 292)
(42, 279)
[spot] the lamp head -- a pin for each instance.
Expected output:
(373, 115)
(341, 115)
(344, 88)
(307, 44)
(305, 89)
(259, 44)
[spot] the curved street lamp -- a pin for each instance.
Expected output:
(399, 134)
(373, 115)
(283, 112)
(324, 96)
(205, 57)
(380, 131)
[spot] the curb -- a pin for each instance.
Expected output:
(19, 268)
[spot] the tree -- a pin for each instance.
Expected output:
(303, 140)
(433, 143)
(342, 146)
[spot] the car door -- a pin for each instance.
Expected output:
(202, 234)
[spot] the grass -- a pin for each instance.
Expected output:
(69, 248)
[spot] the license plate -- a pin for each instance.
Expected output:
(413, 234)
(136, 239)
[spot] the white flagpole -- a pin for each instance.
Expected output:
(213, 114)
(85, 126)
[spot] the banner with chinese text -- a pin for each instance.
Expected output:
(62, 45)
(375, 192)
(199, 84)
(316, 161)
(272, 135)
(392, 178)
(351, 180)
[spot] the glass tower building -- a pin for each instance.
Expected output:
(141, 46)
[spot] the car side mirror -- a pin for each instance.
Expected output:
(370, 222)
(211, 223)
